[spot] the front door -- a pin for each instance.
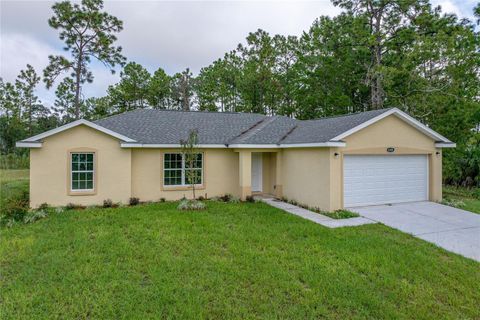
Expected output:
(257, 165)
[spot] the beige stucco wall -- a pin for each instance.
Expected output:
(120, 173)
(49, 168)
(305, 176)
(220, 175)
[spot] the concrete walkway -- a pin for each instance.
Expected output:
(450, 228)
(316, 217)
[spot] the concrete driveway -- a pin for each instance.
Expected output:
(450, 228)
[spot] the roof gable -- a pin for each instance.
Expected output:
(39, 137)
(403, 116)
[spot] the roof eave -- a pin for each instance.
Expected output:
(445, 145)
(241, 146)
(167, 145)
(26, 144)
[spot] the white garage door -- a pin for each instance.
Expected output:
(370, 179)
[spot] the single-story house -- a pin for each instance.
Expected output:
(375, 157)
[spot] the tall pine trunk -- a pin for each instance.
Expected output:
(78, 75)
(376, 79)
(377, 95)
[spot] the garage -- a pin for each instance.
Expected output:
(384, 179)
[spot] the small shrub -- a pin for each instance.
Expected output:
(43, 206)
(344, 214)
(453, 203)
(59, 210)
(14, 208)
(70, 206)
(134, 201)
(162, 200)
(10, 223)
(191, 205)
(229, 198)
(226, 197)
(183, 204)
(73, 206)
(201, 198)
(34, 215)
(107, 203)
(476, 193)
(234, 199)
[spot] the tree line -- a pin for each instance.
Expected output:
(375, 54)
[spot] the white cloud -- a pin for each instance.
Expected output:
(18, 50)
(193, 34)
(462, 8)
(450, 7)
(171, 35)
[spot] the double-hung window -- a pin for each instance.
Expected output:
(82, 171)
(177, 171)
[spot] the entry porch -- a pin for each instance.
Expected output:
(260, 172)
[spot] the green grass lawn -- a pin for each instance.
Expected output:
(245, 260)
(471, 205)
(468, 197)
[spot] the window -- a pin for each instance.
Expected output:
(82, 171)
(176, 171)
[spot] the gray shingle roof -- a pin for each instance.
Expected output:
(149, 126)
(270, 131)
(169, 127)
(323, 130)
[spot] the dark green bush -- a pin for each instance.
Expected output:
(134, 201)
(70, 206)
(476, 193)
(107, 203)
(226, 197)
(461, 165)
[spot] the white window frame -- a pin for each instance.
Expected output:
(183, 184)
(82, 171)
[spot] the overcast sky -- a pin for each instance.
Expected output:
(173, 35)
